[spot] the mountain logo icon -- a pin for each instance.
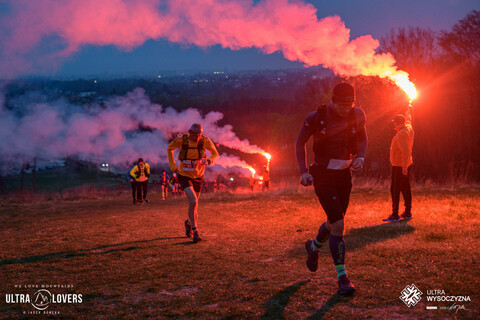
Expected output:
(41, 299)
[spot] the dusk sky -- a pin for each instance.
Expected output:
(153, 54)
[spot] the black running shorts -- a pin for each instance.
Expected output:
(332, 188)
(186, 182)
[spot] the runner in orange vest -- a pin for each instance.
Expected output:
(193, 160)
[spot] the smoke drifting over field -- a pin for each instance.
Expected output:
(119, 132)
(36, 35)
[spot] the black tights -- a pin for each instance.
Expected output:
(400, 183)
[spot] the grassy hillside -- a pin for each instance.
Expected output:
(134, 262)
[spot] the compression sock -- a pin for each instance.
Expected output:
(337, 249)
(340, 270)
(321, 237)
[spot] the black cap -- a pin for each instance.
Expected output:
(140, 160)
(343, 93)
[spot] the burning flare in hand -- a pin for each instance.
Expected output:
(401, 80)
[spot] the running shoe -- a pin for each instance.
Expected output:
(196, 237)
(312, 257)
(345, 287)
(188, 229)
(392, 218)
(406, 216)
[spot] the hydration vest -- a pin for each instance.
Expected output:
(184, 150)
(320, 134)
(140, 171)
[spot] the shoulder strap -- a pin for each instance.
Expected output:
(184, 150)
(352, 131)
(352, 121)
(320, 129)
(320, 122)
(201, 149)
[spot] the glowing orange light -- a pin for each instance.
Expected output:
(252, 170)
(268, 156)
(401, 80)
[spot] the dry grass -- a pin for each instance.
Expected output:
(133, 262)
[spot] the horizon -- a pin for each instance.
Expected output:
(167, 74)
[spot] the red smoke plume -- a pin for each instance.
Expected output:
(291, 27)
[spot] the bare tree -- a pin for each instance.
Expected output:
(462, 47)
(413, 48)
(463, 42)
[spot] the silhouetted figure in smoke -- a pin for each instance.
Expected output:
(133, 183)
(266, 177)
(252, 182)
(340, 144)
(164, 182)
(141, 173)
(175, 185)
(193, 160)
(401, 161)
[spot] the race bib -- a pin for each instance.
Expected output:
(190, 165)
(339, 164)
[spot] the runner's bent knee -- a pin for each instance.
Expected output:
(337, 227)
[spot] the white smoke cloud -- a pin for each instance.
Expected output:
(106, 133)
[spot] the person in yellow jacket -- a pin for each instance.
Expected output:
(193, 160)
(401, 161)
(141, 172)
